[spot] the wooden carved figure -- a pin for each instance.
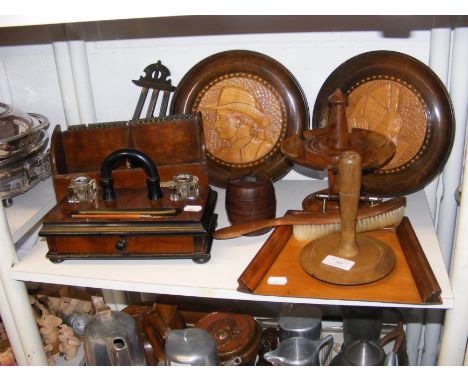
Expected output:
(49, 327)
(53, 304)
(73, 305)
(3, 333)
(69, 343)
(7, 358)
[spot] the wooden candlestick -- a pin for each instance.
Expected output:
(321, 149)
(347, 258)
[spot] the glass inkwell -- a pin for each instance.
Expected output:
(81, 189)
(184, 186)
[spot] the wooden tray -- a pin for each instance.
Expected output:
(401, 97)
(411, 282)
(257, 95)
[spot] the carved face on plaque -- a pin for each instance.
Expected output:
(401, 97)
(243, 120)
(391, 109)
(249, 103)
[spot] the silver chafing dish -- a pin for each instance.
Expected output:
(24, 160)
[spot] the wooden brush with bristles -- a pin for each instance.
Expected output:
(309, 226)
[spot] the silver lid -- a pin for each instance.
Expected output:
(299, 320)
(15, 124)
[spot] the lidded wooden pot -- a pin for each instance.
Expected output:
(238, 337)
(249, 198)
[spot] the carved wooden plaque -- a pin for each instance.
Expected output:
(249, 104)
(390, 108)
(402, 98)
(244, 119)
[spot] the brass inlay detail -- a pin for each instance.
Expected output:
(120, 230)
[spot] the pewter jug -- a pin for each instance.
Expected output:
(300, 351)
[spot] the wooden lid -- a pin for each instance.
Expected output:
(236, 335)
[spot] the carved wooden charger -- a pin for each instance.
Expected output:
(398, 96)
(249, 104)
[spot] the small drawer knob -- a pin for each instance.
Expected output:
(121, 244)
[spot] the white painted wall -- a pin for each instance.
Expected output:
(30, 74)
(309, 56)
(30, 80)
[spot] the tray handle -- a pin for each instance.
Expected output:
(426, 282)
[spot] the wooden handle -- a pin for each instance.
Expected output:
(114, 216)
(295, 219)
(169, 211)
(349, 170)
(306, 218)
(113, 213)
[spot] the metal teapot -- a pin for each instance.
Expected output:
(111, 338)
(300, 351)
(192, 346)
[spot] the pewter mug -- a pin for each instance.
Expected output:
(300, 351)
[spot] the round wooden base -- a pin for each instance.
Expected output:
(374, 261)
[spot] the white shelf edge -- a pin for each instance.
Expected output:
(29, 208)
(191, 291)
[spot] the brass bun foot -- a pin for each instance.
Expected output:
(374, 260)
